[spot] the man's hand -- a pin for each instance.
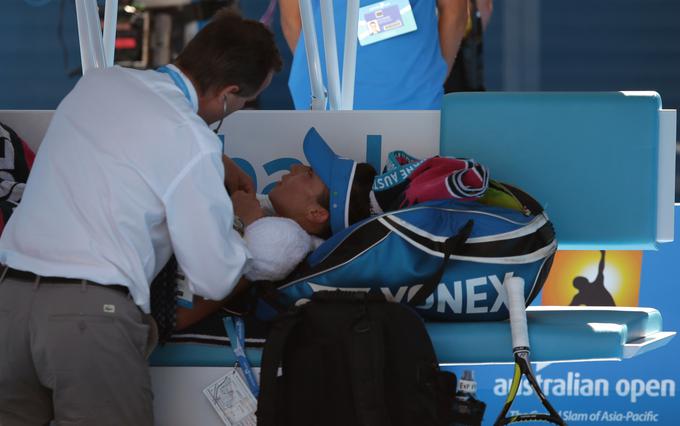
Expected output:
(246, 207)
(235, 179)
(485, 8)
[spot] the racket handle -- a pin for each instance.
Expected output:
(514, 286)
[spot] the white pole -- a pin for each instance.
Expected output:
(331, 53)
(89, 35)
(313, 62)
(349, 60)
(110, 21)
(86, 61)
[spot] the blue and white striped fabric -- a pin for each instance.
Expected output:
(395, 253)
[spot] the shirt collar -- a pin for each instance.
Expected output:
(193, 95)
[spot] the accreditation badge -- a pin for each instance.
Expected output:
(384, 20)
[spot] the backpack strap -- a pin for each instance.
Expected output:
(367, 365)
(451, 245)
(271, 361)
(525, 199)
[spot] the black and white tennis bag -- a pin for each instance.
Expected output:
(400, 253)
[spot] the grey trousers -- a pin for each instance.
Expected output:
(74, 354)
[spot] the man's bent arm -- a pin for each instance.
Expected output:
(453, 18)
(291, 23)
(200, 219)
(202, 308)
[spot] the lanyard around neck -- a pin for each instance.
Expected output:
(179, 82)
(177, 79)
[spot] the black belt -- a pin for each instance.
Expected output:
(31, 277)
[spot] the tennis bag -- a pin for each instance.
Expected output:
(400, 253)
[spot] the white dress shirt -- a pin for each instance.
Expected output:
(126, 175)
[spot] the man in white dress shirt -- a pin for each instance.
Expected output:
(128, 173)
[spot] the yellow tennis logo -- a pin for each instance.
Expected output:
(593, 278)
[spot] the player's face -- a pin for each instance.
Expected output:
(296, 191)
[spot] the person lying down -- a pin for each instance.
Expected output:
(282, 228)
(313, 202)
(307, 205)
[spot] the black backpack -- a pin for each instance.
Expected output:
(352, 358)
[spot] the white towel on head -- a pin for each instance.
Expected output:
(278, 245)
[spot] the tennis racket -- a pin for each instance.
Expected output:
(514, 286)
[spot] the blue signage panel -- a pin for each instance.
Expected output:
(641, 390)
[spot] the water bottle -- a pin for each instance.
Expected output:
(467, 410)
(467, 386)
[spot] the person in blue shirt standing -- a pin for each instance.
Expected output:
(402, 66)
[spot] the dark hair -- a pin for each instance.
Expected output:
(359, 200)
(230, 50)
